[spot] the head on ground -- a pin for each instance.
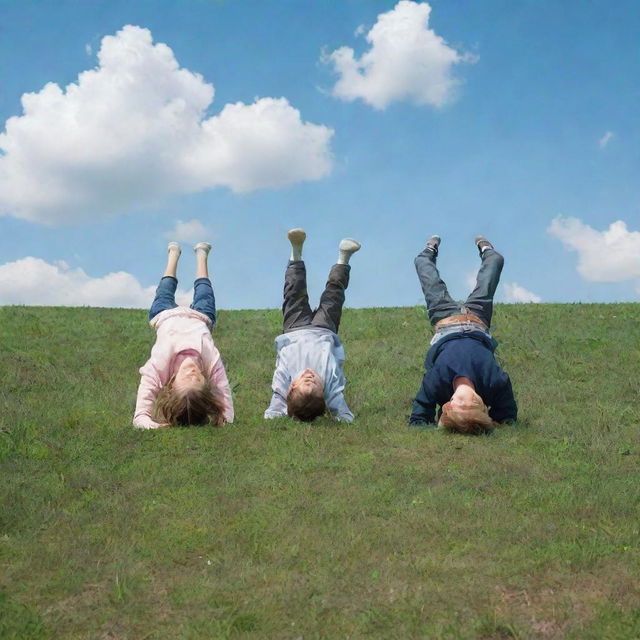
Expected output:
(466, 413)
(188, 398)
(305, 399)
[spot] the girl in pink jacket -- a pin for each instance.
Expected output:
(184, 381)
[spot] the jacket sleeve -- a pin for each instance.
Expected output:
(220, 384)
(280, 385)
(423, 410)
(150, 384)
(504, 408)
(337, 405)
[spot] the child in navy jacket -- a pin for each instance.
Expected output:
(462, 375)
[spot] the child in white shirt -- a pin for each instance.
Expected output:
(309, 379)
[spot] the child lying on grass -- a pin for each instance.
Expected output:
(309, 379)
(184, 381)
(462, 375)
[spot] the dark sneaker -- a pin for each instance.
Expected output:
(432, 244)
(482, 243)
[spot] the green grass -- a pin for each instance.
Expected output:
(283, 530)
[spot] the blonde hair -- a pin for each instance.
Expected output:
(305, 405)
(473, 421)
(198, 406)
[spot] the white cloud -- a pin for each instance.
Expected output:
(191, 231)
(606, 139)
(515, 293)
(470, 279)
(33, 281)
(612, 255)
(133, 131)
(406, 61)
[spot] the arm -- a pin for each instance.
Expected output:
(504, 409)
(338, 408)
(336, 403)
(280, 385)
(150, 384)
(220, 385)
(423, 410)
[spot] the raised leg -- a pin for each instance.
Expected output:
(480, 302)
(173, 255)
(166, 292)
(440, 304)
(329, 310)
(296, 312)
(203, 299)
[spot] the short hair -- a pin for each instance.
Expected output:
(198, 406)
(305, 405)
(473, 422)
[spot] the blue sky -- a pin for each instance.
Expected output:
(518, 120)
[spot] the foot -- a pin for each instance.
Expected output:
(346, 248)
(432, 244)
(296, 238)
(174, 247)
(202, 246)
(482, 243)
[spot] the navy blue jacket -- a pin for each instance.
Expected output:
(468, 354)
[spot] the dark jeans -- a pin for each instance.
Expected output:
(296, 311)
(441, 305)
(203, 299)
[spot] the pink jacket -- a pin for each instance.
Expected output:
(178, 330)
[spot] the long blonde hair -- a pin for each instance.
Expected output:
(198, 406)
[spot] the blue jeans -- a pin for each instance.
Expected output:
(480, 302)
(203, 299)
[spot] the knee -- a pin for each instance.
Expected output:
(420, 259)
(496, 258)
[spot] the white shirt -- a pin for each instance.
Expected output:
(309, 348)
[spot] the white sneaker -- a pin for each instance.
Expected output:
(203, 246)
(297, 236)
(349, 245)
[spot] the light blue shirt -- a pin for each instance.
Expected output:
(309, 348)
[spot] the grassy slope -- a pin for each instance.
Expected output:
(277, 529)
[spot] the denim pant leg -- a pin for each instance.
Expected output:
(480, 302)
(296, 312)
(203, 298)
(440, 304)
(165, 296)
(329, 311)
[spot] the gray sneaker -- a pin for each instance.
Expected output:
(482, 243)
(432, 244)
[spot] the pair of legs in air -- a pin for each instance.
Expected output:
(440, 304)
(296, 311)
(203, 298)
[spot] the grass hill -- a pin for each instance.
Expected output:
(283, 530)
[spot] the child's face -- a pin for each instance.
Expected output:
(188, 376)
(308, 381)
(464, 401)
(465, 398)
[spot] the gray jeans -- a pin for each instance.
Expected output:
(296, 311)
(441, 305)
